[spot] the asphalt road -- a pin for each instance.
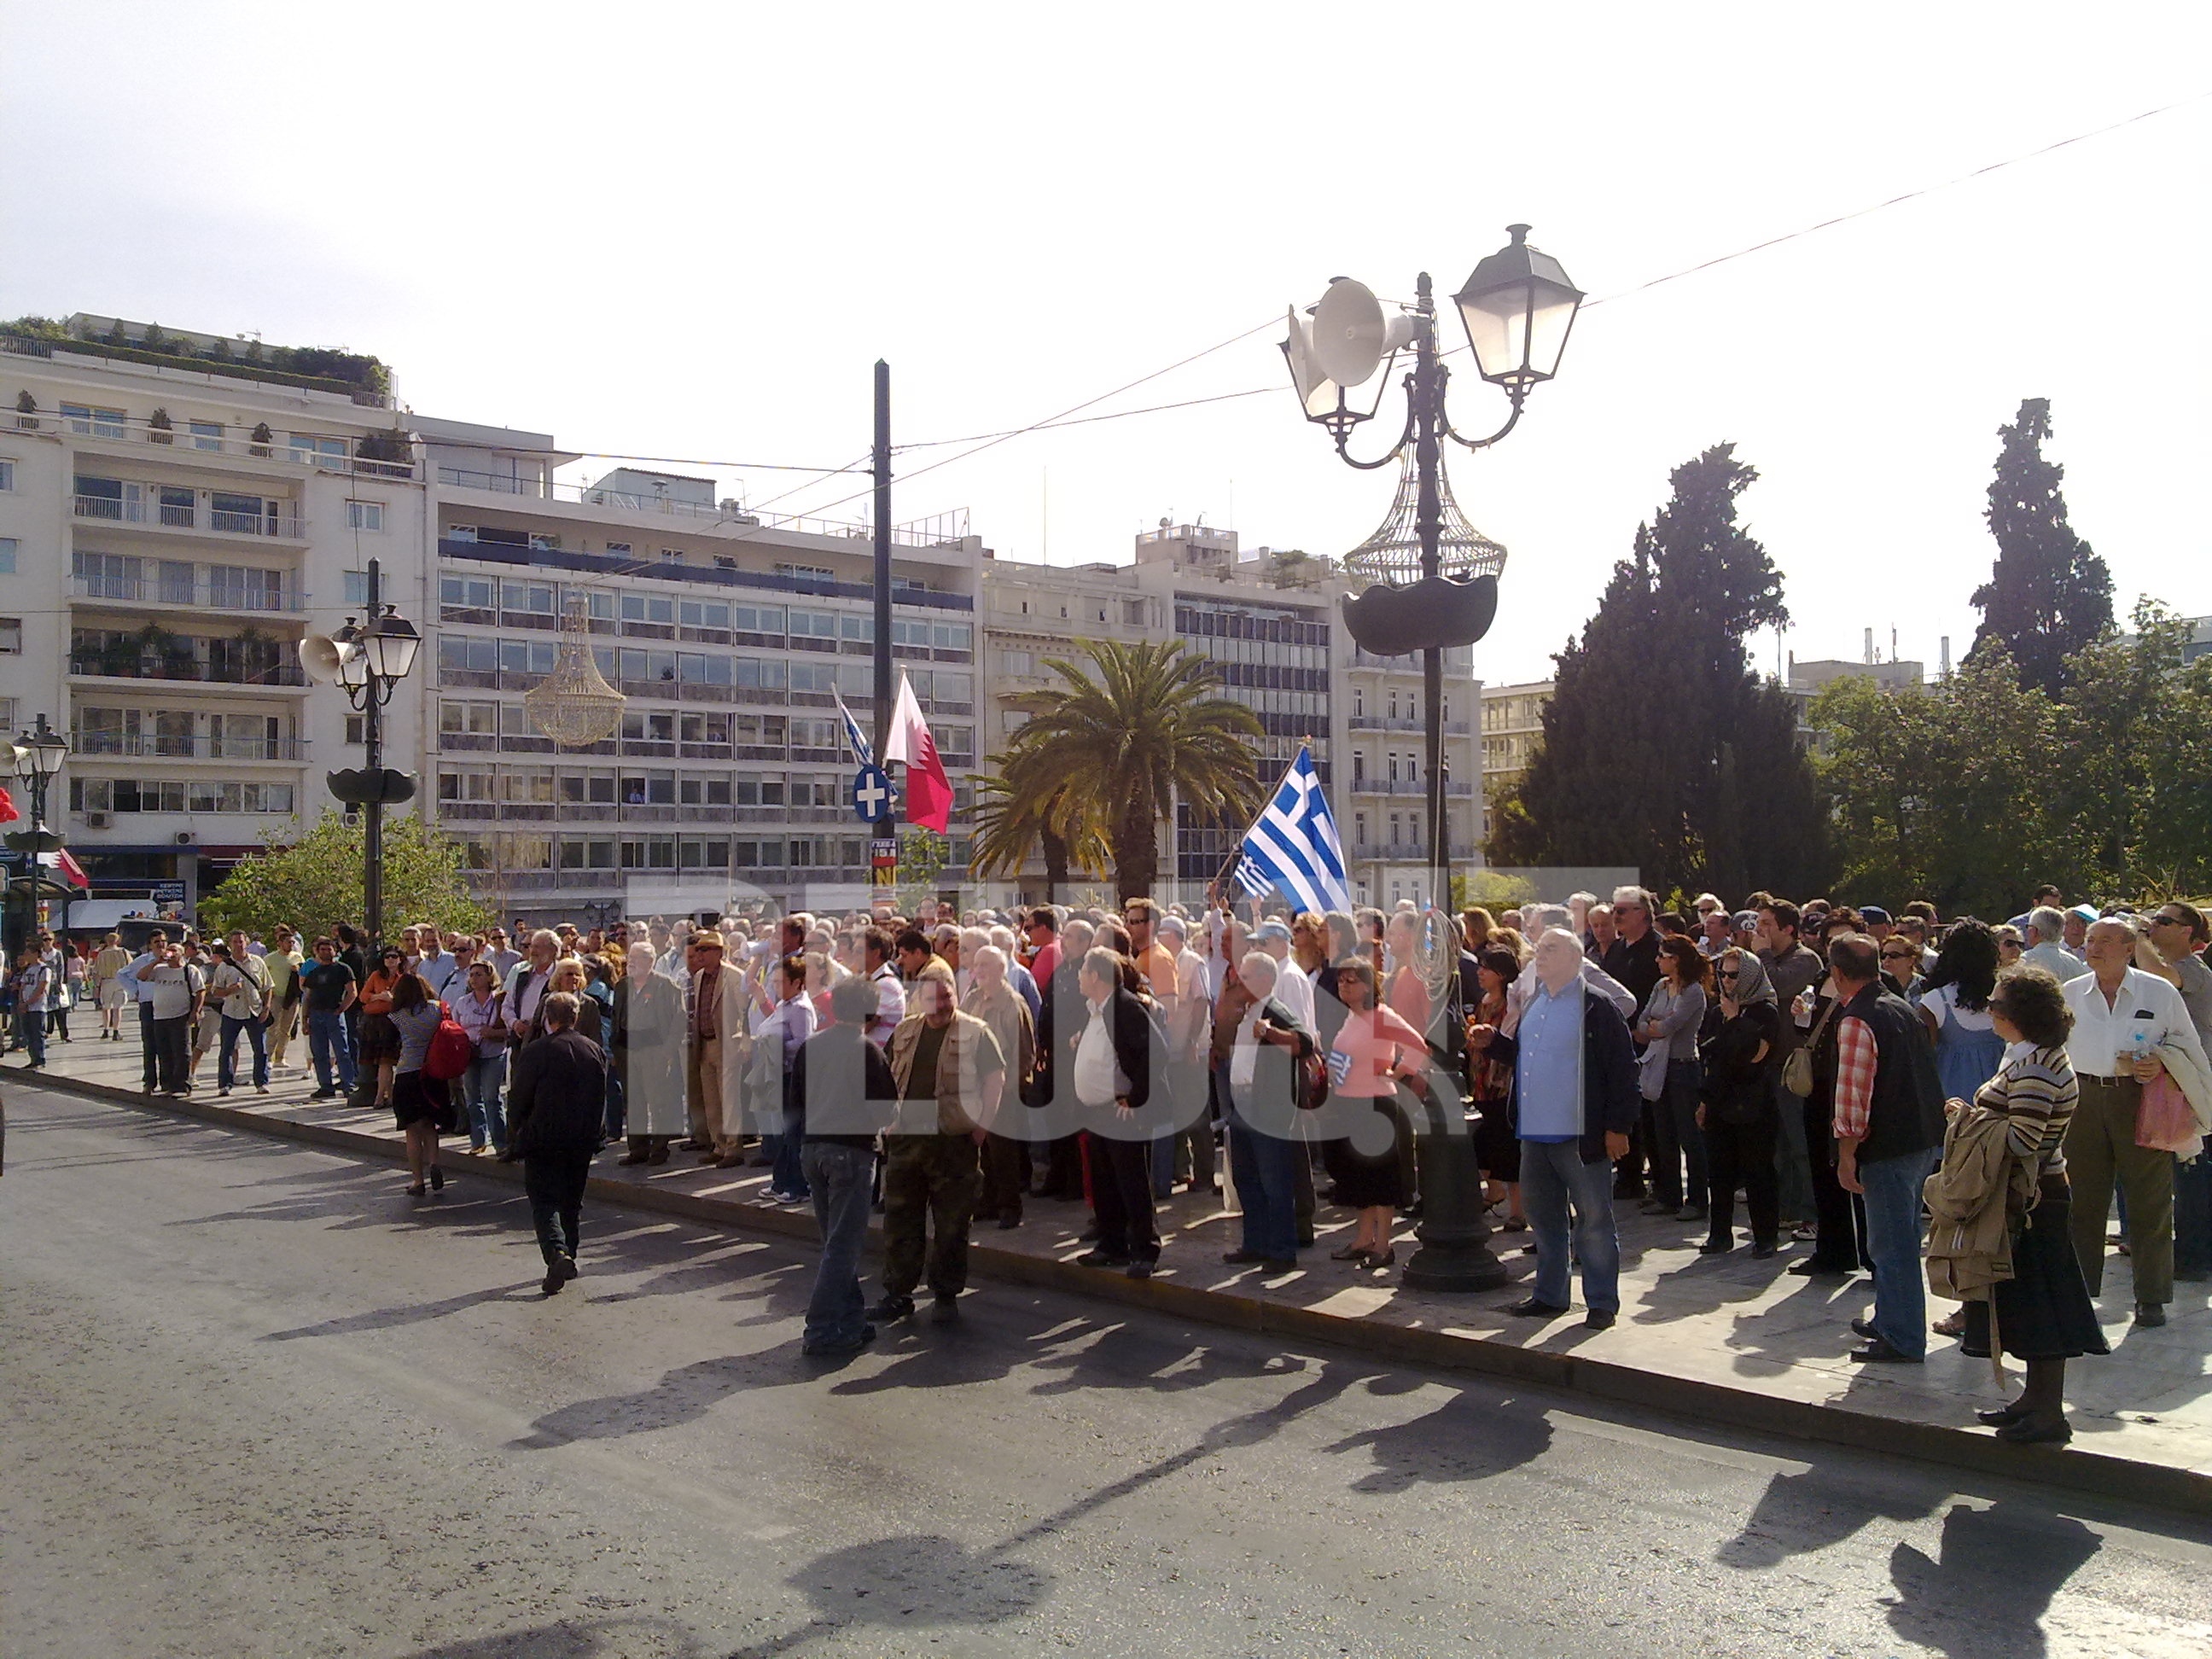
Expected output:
(258, 1401)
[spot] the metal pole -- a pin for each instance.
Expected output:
(1455, 1249)
(371, 733)
(888, 827)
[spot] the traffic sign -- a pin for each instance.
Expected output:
(883, 853)
(872, 796)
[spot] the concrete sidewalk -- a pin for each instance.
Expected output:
(1727, 1338)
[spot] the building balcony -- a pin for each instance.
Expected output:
(1413, 725)
(286, 601)
(1453, 789)
(131, 516)
(282, 678)
(1392, 852)
(91, 745)
(213, 443)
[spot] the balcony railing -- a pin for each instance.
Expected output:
(179, 516)
(106, 666)
(1412, 723)
(287, 600)
(929, 533)
(1405, 786)
(1407, 852)
(160, 748)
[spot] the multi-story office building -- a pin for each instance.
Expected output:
(167, 532)
(1512, 727)
(171, 525)
(729, 778)
(1268, 622)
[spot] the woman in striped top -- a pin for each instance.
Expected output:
(2043, 1312)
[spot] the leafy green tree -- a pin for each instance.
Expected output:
(920, 866)
(314, 882)
(1014, 811)
(2049, 595)
(1662, 750)
(1130, 732)
(2134, 731)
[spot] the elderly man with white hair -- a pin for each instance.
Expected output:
(1024, 982)
(1266, 1051)
(2047, 934)
(1574, 1072)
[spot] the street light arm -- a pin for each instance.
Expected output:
(1520, 396)
(1343, 434)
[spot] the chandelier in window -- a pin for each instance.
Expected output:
(574, 705)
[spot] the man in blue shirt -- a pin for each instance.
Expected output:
(1574, 1069)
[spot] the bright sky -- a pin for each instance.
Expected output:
(689, 230)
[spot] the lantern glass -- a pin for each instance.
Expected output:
(1518, 308)
(389, 646)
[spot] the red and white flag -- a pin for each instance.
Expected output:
(928, 791)
(71, 871)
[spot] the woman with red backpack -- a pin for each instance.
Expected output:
(420, 1102)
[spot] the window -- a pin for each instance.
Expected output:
(364, 515)
(812, 572)
(763, 790)
(308, 449)
(814, 677)
(527, 598)
(206, 435)
(237, 514)
(457, 783)
(526, 656)
(11, 637)
(813, 624)
(93, 422)
(468, 653)
(1133, 612)
(648, 608)
(471, 593)
(618, 550)
(757, 619)
(760, 673)
(7, 545)
(356, 729)
(857, 625)
(476, 719)
(703, 613)
(6, 474)
(671, 556)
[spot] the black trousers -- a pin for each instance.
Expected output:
(153, 1079)
(1743, 1153)
(1840, 1244)
(1063, 1168)
(1121, 1191)
(173, 1052)
(555, 1184)
(1006, 1178)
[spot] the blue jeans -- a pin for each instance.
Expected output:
(226, 1059)
(1265, 1169)
(616, 1118)
(2193, 1216)
(841, 1178)
(330, 1043)
(1552, 1173)
(31, 1032)
(1894, 1232)
(788, 1173)
(480, 1087)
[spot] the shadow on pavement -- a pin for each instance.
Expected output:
(633, 1638)
(2000, 1568)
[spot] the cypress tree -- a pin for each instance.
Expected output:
(2049, 595)
(1662, 750)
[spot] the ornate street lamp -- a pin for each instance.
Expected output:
(366, 659)
(1517, 307)
(36, 761)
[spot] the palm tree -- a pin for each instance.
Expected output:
(1136, 729)
(1011, 811)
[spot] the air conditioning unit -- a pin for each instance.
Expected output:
(97, 820)
(185, 838)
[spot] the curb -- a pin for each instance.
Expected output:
(2094, 1473)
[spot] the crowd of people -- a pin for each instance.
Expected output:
(1955, 1103)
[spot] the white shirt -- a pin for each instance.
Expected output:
(2102, 1031)
(1945, 999)
(1098, 1077)
(1294, 986)
(890, 1005)
(2062, 962)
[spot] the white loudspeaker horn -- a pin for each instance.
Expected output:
(322, 657)
(1349, 332)
(11, 755)
(1311, 384)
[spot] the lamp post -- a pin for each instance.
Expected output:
(371, 658)
(1517, 308)
(37, 761)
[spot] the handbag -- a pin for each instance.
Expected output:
(2164, 1118)
(1797, 1070)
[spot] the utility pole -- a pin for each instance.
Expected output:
(371, 823)
(887, 827)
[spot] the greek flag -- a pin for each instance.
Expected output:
(1293, 845)
(862, 752)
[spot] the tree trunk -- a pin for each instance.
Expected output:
(1056, 863)
(1136, 851)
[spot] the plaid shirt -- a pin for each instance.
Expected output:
(1855, 1059)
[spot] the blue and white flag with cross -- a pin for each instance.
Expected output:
(1293, 846)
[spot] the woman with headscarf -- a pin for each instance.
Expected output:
(1736, 1110)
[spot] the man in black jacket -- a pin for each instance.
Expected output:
(1111, 1075)
(850, 1098)
(554, 1105)
(1574, 1079)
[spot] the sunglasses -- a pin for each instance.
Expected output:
(1899, 956)
(1727, 973)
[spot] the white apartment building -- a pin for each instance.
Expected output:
(1270, 623)
(1512, 727)
(166, 535)
(170, 528)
